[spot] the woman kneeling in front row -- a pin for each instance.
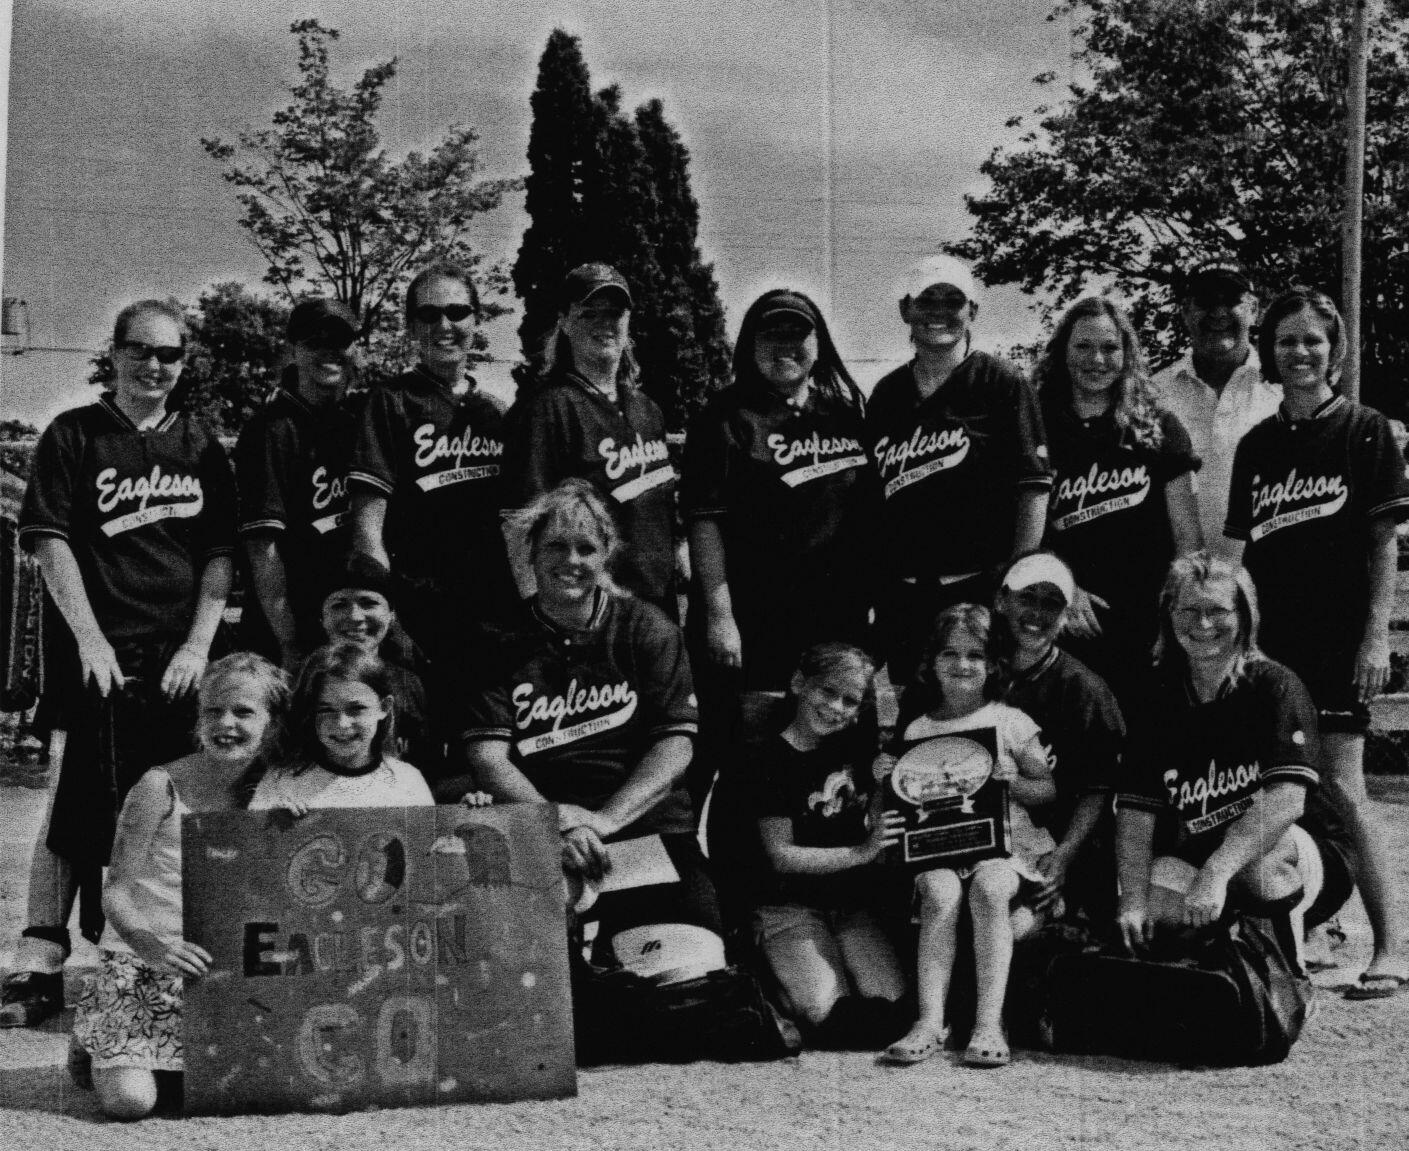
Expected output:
(1226, 741)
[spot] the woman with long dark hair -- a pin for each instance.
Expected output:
(780, 498)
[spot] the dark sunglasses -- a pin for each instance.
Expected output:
(430, 314)
(1218, 297)
(165, 353)
(332, 341)
(948, 302)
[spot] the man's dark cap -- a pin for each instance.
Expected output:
(320, 317)
(1215, 274)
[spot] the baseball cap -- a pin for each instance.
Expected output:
(1041, 567)
(320, 316)
(586, 280)
(788, 306)
(1219, 273)
(934, 270)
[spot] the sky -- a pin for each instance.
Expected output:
(832, 142)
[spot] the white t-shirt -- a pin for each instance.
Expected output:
(1216, 421)
(1013, 730)
(392, 783)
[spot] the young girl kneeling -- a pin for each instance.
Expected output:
(956, 676)
(129, 1015)
(821, 825)
(342, 722)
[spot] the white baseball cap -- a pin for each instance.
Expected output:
(1041, 567)
(934, 270)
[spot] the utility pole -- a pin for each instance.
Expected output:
(1354, 195)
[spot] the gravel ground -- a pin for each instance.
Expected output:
(1346, 1084)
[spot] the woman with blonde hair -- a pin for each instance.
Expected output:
(1122, 503)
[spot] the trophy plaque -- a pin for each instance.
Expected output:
(955, 812)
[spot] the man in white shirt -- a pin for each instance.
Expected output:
(1217, 389)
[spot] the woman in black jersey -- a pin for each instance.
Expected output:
(1316, 491)
(1225, 746)
(1122, 503)
(425, 479)
(587, 418)
(130, 513)
(780, 498)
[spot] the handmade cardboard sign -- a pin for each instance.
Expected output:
(955, 812)
(376, 957)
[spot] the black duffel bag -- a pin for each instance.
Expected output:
(1237, 1000)
(723, 1015)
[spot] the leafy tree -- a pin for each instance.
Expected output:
(606, 186)
(332, 214)
(237, 353)
(16, 446)
(1197, 129)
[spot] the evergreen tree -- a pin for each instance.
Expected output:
(687, 352)
(605, 186)
(561, 156)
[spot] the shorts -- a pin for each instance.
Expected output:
(129, 1015)
(1030, 879)
(1338, 880)
(1327, 670)
(111, 743)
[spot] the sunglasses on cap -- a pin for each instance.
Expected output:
(430, 314)
(165, 353)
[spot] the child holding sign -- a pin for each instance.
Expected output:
(129, 1016)
(955, 678)
(343, 725)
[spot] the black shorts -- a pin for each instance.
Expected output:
(1338, 884)
(1326, 665)
(111, 742)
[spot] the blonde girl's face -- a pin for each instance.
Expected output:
(234, 721)
(830, 702)
(346, 721)
(961, 667)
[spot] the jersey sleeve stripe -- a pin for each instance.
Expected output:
(497, 734)
(369, 480)
(252, 527)
(1140, 802)
(684, 727)
(1398, 504)
(705, 513)
(1044, 482)
(1292, 773)
(29, 530)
